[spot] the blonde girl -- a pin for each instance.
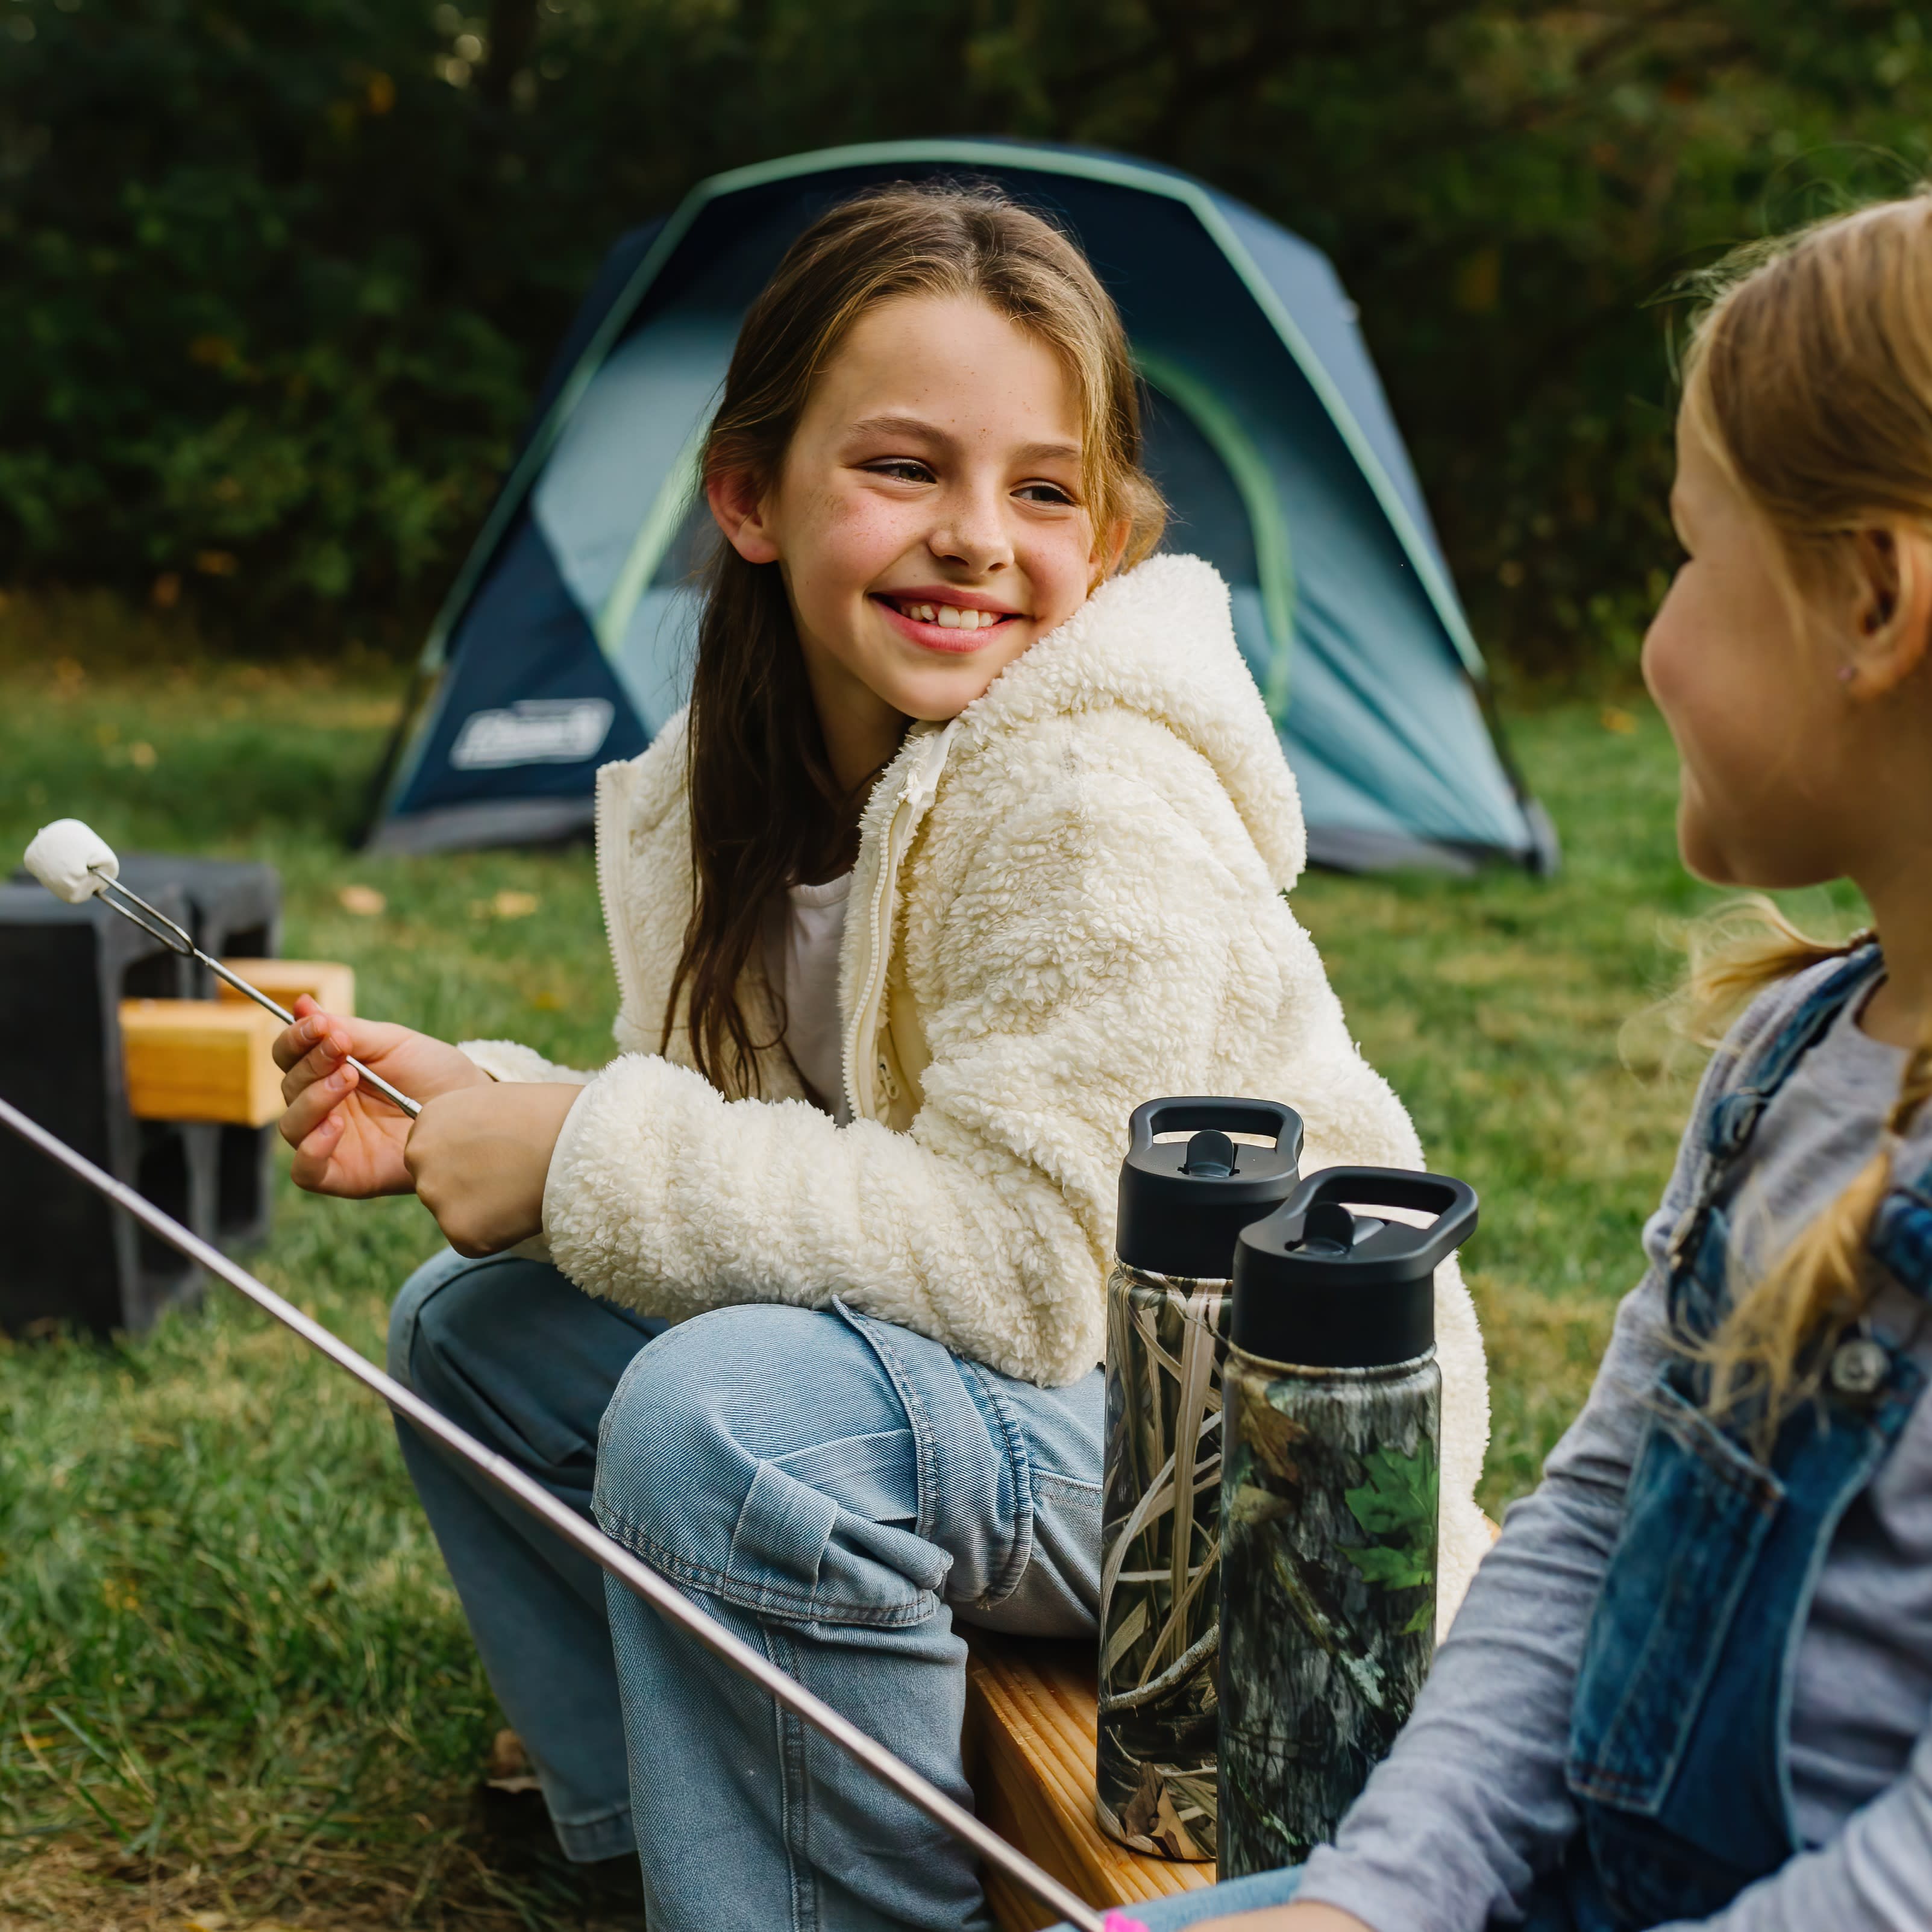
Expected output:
(1692, 1685)
(974, 837)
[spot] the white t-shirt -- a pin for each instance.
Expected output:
(803, 934)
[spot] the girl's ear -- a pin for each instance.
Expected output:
(738, 506)
(1891, 609)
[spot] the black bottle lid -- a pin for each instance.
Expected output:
(1182, 1202)
(1320, 1287)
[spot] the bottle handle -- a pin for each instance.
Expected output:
(1183, 1114)
(1453, 1202)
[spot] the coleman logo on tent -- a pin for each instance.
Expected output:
(533, 731)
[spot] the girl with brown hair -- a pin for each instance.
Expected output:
(974, 837)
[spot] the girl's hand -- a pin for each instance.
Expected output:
(1310, 1918)
(479, 1158)
(348, 1142)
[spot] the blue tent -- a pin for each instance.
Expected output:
(564, 642)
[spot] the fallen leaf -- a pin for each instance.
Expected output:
(1614, 717)
(142, 754)
(504, 905)
(364, 902)
(546, 1002)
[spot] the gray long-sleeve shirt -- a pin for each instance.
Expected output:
(1471, 1804)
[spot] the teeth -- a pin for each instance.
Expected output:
(951, 616)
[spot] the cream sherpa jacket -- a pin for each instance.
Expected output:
(1067, 901)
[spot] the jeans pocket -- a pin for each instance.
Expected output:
(1697, 1511)
(797, 1555)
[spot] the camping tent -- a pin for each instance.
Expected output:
(564, 642)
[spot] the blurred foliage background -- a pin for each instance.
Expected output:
(282, 275)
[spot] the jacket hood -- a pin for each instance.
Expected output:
(1160, 640)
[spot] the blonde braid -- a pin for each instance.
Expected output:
(1736, 953)
(1767, 1352)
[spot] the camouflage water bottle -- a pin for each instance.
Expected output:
(1332, 1425)
(1182, 1204)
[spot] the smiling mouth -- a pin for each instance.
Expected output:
(947, 616)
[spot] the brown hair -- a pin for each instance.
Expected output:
(766, 810)
(1809, 380)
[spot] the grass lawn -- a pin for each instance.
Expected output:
(233, 1678)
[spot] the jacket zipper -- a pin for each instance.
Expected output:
(616, 932)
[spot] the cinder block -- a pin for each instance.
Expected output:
(64, 972)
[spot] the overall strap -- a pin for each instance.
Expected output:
(1733, 1117)
(1900, 1241)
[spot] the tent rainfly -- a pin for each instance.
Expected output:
(565, 642)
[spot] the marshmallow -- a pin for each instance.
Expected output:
(72, 860)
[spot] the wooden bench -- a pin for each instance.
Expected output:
(1031, 1707)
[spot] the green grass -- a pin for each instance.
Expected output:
(233, 1676)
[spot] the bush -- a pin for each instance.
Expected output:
(282, 274)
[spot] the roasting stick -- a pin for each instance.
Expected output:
(665, 1598)
(164, 929)
(74, 862)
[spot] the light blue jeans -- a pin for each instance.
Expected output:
(836, 1490)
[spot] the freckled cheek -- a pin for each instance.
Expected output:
(852, 542)
(1058, 574)
(825, 559)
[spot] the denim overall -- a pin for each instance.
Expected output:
(1677, 1745)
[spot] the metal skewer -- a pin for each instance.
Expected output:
(665, 1598)
(157, 925)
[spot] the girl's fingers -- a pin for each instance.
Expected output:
(314, 1103)
(309, 1168)
(294, 1041)
(318, 1166)
(325, 1057)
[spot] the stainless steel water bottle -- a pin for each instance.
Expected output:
(1182, 1203)
(1332, 1427)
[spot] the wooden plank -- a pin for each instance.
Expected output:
(1031, 1706)
(201, 1059)
(328, 982)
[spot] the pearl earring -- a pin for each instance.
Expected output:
(1846, 672)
